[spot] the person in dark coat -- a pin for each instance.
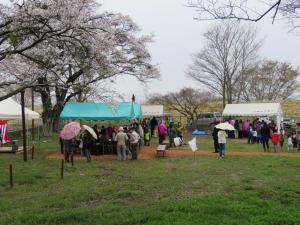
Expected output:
(272, 126)
(87, 145)
(61, 145)
(236, 127)
(69, 148)
(153, 124)
(172, 135)
(95, 128)
(103, 131)
(265, 135)
(215, 138)
(240, 128)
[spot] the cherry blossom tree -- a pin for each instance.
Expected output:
(64, 47)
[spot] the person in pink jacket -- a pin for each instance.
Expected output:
(162, 132)
(246, 125)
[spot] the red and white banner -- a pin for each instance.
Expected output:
(3, 132)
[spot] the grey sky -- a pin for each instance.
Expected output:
(177, 36)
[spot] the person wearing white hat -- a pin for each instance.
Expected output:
(134, 140)
(121, 139)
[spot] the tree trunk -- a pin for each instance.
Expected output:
(47, 127)
(51, 119)
(51, 113)
(58, 108)
(224, 92)
(192, 117)
(229, 90)
(47, 111)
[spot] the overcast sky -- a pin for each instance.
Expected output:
(178, 35)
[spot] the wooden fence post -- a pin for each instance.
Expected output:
(32, 152)
(72, 159)
(62, 169)
(11, 175)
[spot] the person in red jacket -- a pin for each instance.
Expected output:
(275, 139)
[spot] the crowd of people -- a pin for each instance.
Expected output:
(123, 141)
(165, 128)
(127, 140)
(259, 132)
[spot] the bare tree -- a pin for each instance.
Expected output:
(230, 48)
(187, 102)
(270, 80)
(253, 10)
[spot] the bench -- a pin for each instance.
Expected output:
(161, 149)
(9, 149)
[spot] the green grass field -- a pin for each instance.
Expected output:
(236, 190)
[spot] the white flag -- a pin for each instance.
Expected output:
(193, 144)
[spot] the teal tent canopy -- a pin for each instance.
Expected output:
(101, 111)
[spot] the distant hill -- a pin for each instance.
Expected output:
(291, 108)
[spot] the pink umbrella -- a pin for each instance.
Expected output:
(70, 131)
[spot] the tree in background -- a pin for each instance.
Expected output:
(253, 10)
(230, 48)
(187, 102)
(65, 48)
(270, 80)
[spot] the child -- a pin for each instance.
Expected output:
(254, 136)
(147, 136)
(275, 140)
(179, 130)
(281, 137)
(289, 143)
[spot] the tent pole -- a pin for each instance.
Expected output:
(39, 135)
(278, 118)
(32, 107)
(24, 127)
(27, 129)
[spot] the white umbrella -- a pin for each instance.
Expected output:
(90, 130)
(225, 126)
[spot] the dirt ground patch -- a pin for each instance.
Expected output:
(150, 153)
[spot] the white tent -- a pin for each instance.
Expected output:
(255, 109)
(152, 110)
(9, 110)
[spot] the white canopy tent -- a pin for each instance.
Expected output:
(255, 109)
(152, 110)
(11, 110)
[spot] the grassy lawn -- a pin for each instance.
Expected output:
(236, 190)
